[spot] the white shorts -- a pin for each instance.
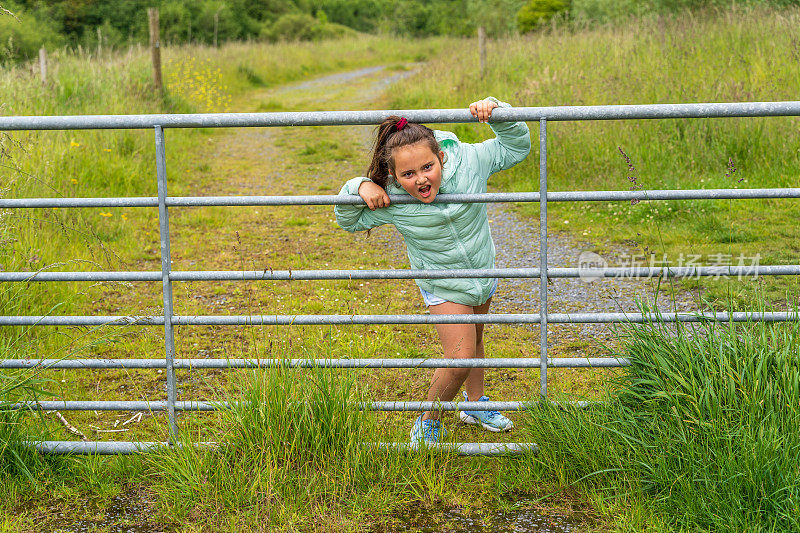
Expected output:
(432, 299)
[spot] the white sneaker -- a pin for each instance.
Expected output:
(491, 420)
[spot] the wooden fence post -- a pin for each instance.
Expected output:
(216, 26)
(482, 48)
(155, 46)
(43, 65)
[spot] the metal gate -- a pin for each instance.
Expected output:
(167, 276)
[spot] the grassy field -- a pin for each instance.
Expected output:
(308, 472)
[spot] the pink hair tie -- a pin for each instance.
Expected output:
(401, 123)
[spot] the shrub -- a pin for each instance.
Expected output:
(604, 11)
(21, 37)
(536, 12)
(303, 27)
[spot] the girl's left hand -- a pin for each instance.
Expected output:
(482, 109)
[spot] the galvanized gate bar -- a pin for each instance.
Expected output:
(68, 203)
(195, 364)
(197, 405)
(66, 447)
(432, 116)
(299, 275)
(127, 448)
(472, 198)
(676, 272)
(465, 448)
(166, 284)
(510, 318)
(492, 197)
(345, 320)
(543, 256)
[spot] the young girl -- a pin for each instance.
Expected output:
(415, 160)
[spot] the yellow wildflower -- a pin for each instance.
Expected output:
(105, 214)
(73, 144)
(74, 181)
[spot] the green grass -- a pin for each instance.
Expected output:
(16, 459)
(294, 455)
(243, 66)
(251, 478)
(291, 443)
(298, 222)
(703, 427)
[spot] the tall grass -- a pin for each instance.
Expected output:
(71, 163)
(704, 427)
(294, 454)
(17, 459)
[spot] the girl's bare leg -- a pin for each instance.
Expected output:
(474, 382)
(458, 341)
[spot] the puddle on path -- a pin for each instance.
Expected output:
(120, 514)
(459, 520)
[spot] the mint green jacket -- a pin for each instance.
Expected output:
(448, 236)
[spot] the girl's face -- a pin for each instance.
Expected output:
(418, 170)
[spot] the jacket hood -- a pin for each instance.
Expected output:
(449, 144)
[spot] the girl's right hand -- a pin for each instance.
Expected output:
(374, 195)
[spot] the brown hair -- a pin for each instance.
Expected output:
(389, 138)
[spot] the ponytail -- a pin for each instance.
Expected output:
(395, 132)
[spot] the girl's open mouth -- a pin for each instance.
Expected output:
(425, 191)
